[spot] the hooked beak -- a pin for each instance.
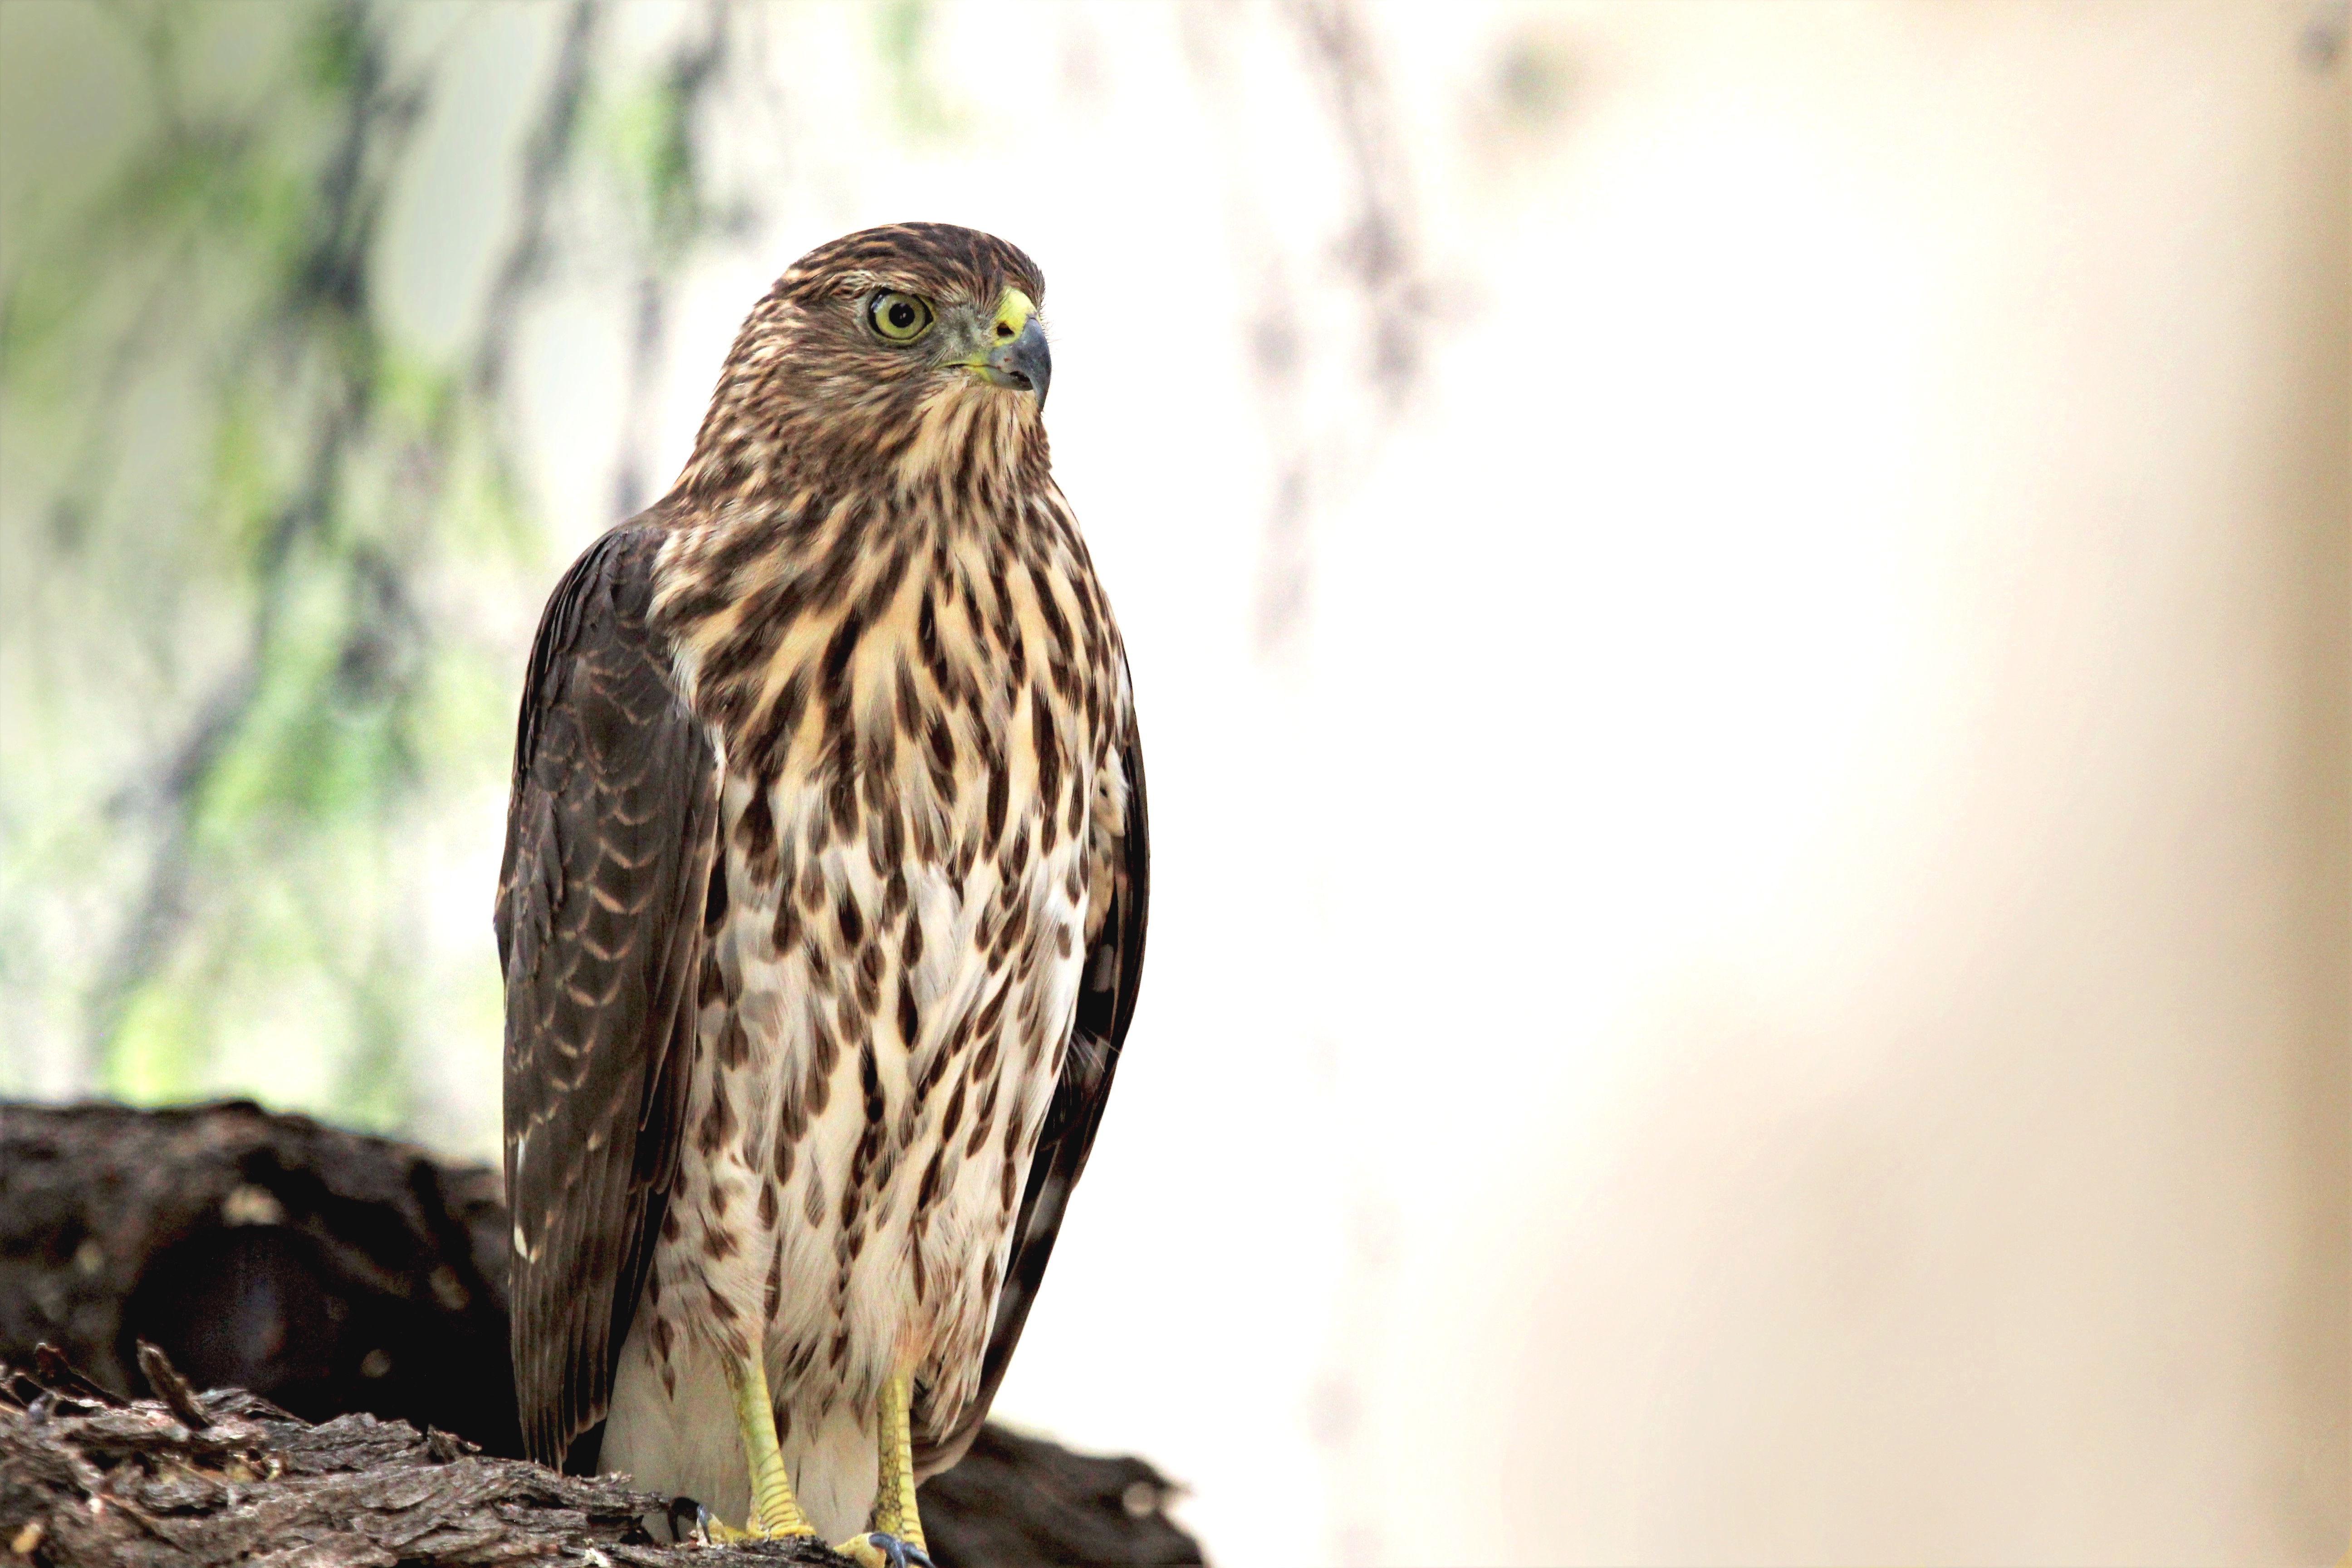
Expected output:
(1019, 356)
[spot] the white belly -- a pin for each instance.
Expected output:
(858, 1131)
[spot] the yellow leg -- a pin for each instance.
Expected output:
(894, 1502)
(774, 1511)
(896, 1540)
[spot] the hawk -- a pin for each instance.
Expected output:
(822, 911)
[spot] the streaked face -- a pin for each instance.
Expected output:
(898, 330)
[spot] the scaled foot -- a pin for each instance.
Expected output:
(875, 1550)
(689, 1520)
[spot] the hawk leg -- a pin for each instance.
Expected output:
(774, 1511)
(896, 1540)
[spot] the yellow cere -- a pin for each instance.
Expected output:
(1013, 313)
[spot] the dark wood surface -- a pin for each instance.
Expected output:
(328, 1274)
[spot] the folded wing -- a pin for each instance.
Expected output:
(610, 835)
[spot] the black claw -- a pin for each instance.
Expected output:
(897, 1553)
(689, 1520)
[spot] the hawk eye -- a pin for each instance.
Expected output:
(899, 318)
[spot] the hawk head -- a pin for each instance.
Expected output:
(887, 353)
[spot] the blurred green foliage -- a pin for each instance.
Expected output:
(238, 685)
(267, 564)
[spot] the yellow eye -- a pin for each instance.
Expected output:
(899, 318)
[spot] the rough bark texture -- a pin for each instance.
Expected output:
(94, 1481)
(331, 1274)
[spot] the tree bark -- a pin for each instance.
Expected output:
(348, 1293)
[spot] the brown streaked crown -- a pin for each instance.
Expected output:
(808, 386)
(935, 259)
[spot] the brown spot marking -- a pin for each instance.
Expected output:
(771, 744)
(812, 1199)
(927, 631)
(983, 929)
(877, 769)
(1015, 927)
(842, 796)
(706, 1136)
(722, 1109)
(714, 903)
(939, 745)
(983, 1122)
(755, 834)
(824, 1051)
(869, 1080)
(952, 1117)
(989, 1014)
(903, 703)
(734, 1045)
(910, 947)
(999, 786)
(1016, 655)
(869, 1142)
(983, 1066)
(849, 917)
(928, 1192)
(768, 1214)
(1048, 742)
(910, 1021)
(720, 1242)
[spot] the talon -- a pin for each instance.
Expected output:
(875, 1550)
(710, 1530)
(689, 1520)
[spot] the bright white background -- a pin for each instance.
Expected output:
(1748, 955)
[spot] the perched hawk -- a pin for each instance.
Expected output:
(822, 912)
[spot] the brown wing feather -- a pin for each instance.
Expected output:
(610, 831)
(1106, 1005)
